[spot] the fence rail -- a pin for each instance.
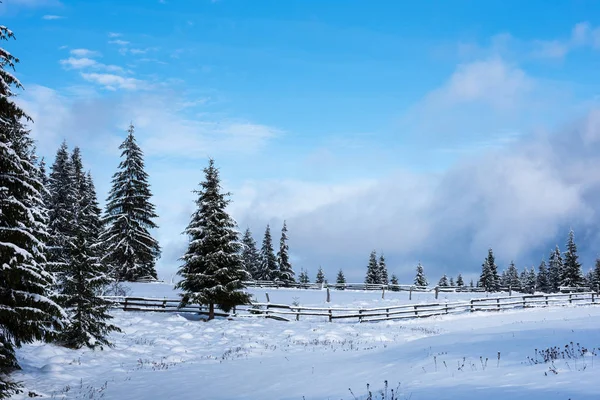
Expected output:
(423, 310)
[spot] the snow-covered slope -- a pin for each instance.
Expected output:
(162, 356)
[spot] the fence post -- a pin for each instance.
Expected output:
(446, 308)
(360, 315)
(570, 298)
(509, 290)
(387, 312)
(330, 315)
(416, 312)
(125, 305)
(383, 292)
(165, 303)
(437, 289)
(498, 301)
(268, 300)
(472, 309)
(593, 297)
(546, 299)
(410, 293)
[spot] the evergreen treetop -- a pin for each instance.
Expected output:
(420, 279)
(320, 276)
(383, 272)
(250, 255)
(268, 268)
(571, 273)
(286, 273)
(373, 276)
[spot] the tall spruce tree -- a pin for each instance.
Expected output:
(85, 277)
(320, 278)
(250, 255)
(530, 280)
(373, 276)
(596, 276)
(286, 273)
(213, 270)
(571, 274)
(130, 250)
(420, 279)
(26, 311)
(543, 278)
(383, 272)
(61, 210)
(512, 277)
(451, 282)
(394, 283)
(459, 281)
(555, 269)
(268, 268)
(489, 278)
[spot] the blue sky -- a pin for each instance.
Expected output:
(426, 130)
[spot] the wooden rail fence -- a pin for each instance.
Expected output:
(422, 310)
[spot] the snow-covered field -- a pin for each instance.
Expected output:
(160, 356)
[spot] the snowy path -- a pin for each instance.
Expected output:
(167, 356)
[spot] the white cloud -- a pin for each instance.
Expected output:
(119, 42)
(52, 17)
(78, 63)
(114, 34)
(114, 82)
(84, 53)
(550, 49)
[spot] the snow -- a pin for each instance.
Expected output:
(161, 355)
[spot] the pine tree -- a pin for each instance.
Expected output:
(489, 278)
(61, 210)
(26, 311)
(543, 278)
(383, 272)
(459, 281)
(443, 282)
(451, 283)
(303, 278)
(250, 255)
(394, 283)
(596, 276)
(286, 273)
(130, 250)
(340, 279)
(420, 279)
(471, 283)
(268, 262)
(571, 276)
(320, 276)
(530, 280)
(589, 279)
(213, 270)
(372, 270)
(512, 277)
(81, 288)
(555, 269)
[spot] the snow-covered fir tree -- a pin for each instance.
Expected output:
(268, 268)
(489, 278)
(383, 272)
(512, 277)
(320, 278)
(420, 279)
(571, 273)
(130, 251)
(250, 255)
(340, 279)
(286, 273)
(555, 268)
(61, 210)
(589, 279)
(373, 269)
(451, 281)
(85, 278)
(82, 284)
(530, 280)
(471, 283)
(213, 270)
(26, 311)
(596, 276)
(543, 278)
(443, 281)
(459, 281)
(303, 278)
(394, 283)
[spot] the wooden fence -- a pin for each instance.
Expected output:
(290, 312)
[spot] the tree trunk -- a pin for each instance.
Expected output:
(211, 311)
